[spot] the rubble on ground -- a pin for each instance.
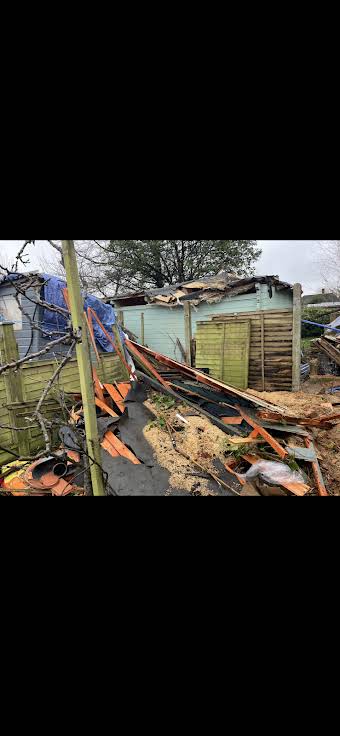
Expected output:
(173, 430)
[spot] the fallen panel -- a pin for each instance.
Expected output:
(193, 373)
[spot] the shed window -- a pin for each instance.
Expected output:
(10, 312)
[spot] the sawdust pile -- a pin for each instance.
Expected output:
(297, 404)
(179, 468)
(199, 439)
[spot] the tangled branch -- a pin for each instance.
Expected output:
(39, 418)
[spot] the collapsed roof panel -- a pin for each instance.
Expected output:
(209, 289)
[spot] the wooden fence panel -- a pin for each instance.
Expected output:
(224, 349)
(6, 438)
(271, 347)
(35, 376)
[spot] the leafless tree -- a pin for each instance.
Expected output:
(5, 264)
(96, 273)
(38, 418)
(328, 259)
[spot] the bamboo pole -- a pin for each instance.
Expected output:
(84, 366)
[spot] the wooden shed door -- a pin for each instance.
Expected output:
(224, 348)
(236, 351)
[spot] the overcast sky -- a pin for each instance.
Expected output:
(292, 260)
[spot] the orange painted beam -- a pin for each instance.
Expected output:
(116, 396)
(106, 445)
(143, 359)
(105, 407)
(124, 389)
(98, 386)
(232, 420)
(89, 322)
(122, 450)
(266, 436)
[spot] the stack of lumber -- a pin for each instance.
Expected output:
(330, 345)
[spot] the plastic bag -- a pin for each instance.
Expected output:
(275, 473)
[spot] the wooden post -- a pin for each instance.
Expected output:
(221, 376)
(120, 318)
(263, 354)
(142, 328)
(9, 353)
(297, 316)
(120, 346)
(188, 331)
(84, 366)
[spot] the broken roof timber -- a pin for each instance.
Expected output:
(201, 377)
(209, 289)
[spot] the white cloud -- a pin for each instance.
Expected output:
(10, 248)
(293, 260)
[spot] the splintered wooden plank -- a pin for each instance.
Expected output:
(98, 386)
(142, 359)
(122, 450)
(116, 396)
(232, 420)
(124, 389)
(106, 445)
(105, 407)
(266, 436)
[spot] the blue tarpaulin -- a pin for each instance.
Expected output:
(52, 321)
(53, 294)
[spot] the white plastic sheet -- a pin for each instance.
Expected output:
(275, 473)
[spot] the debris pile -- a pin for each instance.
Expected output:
(53, 476)
(329, 343)
(283, 429)
(174, 430)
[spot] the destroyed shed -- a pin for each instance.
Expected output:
(34, 334)
(20, 295)
(246, 332)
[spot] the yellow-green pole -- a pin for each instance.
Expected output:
(84, 366)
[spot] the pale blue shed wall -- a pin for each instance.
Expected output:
(163, 325)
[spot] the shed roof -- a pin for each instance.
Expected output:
(208, 289)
